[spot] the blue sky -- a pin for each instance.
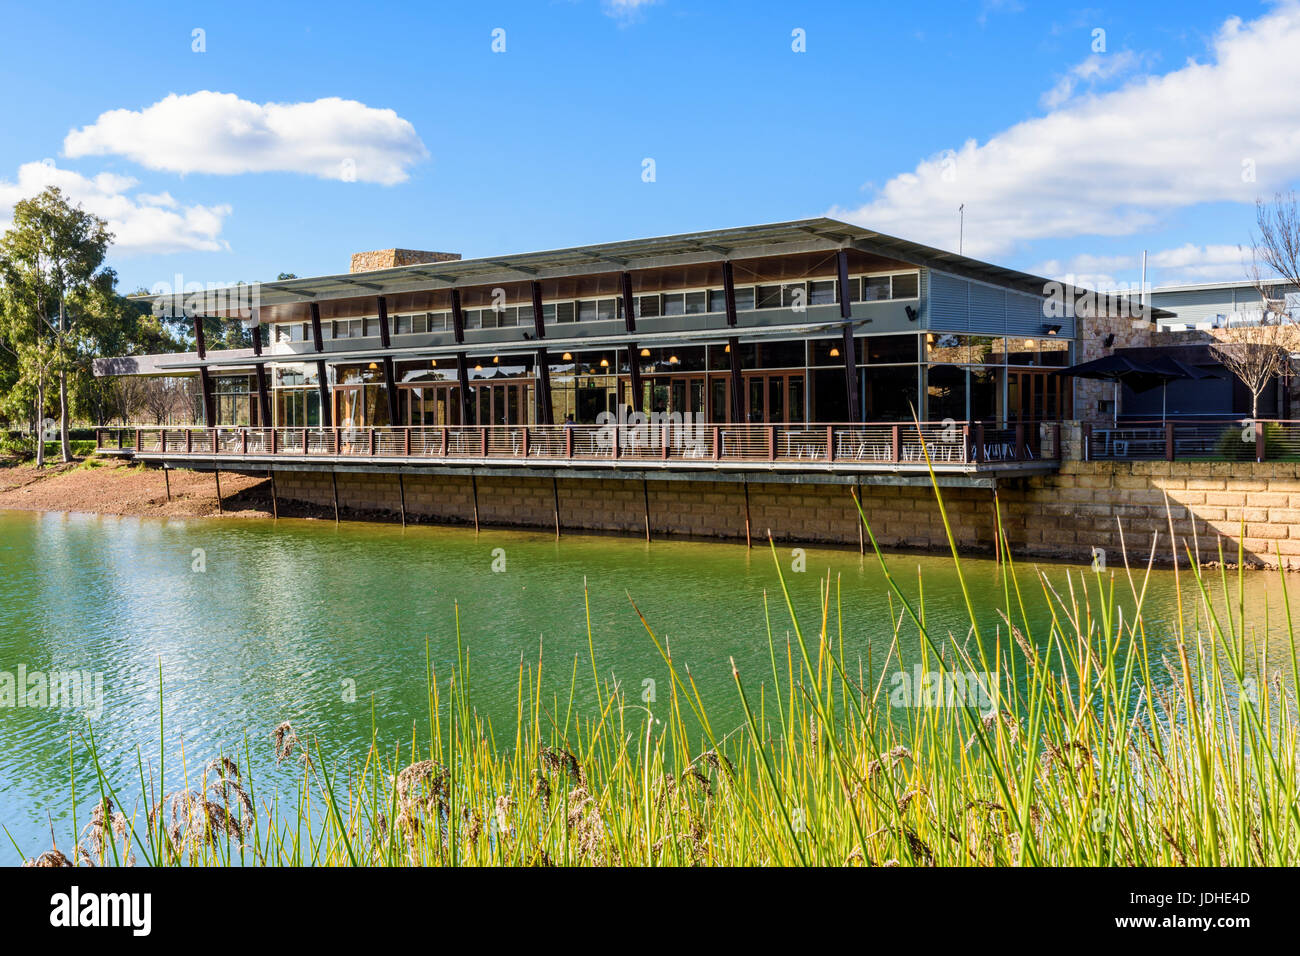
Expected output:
(399, 125)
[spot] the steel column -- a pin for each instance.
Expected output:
(323, 386)
(457, 317)
(738, 404)
(729, 291)
(317, 338)
(539, 327)
(850, 352)
(544, 408)
(209, 405)
(467, 416)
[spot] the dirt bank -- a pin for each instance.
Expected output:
(112, 487)
(105, 486)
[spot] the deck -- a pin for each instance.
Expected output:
(879, 453)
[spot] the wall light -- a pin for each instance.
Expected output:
(604, 363)
(834, 353)
(645, 353)
(566, 357)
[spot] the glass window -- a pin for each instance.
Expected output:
(769, 297)
(717, 300)
(565, 312)
(875, 288)
(855, 290)
(907, 286)
(402, 325)
(822, 292)
(587, 310)
(696, 302)
(888, 349)
(507, 317)
(524, 314)
(674, 303)
(744, 298)
(606, 309)
(548, 313)
(647, 306)
(890, 393)
(946, 392)
(779, 355)
(827, 352)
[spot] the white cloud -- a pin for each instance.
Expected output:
(219, 133)
(1186, 263)
(1094, 69)
(1115, 163)
(142, 223)
(625, 10)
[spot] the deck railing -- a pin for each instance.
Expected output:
(882, 443)
(1192, 440)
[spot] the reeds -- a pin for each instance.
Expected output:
(1089, 748)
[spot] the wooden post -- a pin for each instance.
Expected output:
(645, 498)
(896, 443)
(167, 481)
(334, 480)
(717, 443)
(217, 475)
(749, 543)
(1261, 448)
(1169, 441)
(771, 443)
(857, 497)
(406, 438)
(473, 481)
(275, 503)
(830, 443)
(555, 498)
(401, 495)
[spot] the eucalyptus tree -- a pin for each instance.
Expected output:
(51, 258)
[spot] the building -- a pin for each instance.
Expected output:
(731, 326)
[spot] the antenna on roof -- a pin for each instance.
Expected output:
(961, 228)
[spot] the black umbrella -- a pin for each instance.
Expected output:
(1141, 376)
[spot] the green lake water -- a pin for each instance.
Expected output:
(286, 618)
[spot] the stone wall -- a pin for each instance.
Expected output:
(1094, 332)
(1064, 515)
(389, 258)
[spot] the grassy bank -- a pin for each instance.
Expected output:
(1079, 747)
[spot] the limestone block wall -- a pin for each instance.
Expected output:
(1098, 504)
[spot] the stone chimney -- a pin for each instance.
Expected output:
(388, 258)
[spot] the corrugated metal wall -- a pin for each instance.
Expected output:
(965, 305)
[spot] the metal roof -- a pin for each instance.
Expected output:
(746, 242)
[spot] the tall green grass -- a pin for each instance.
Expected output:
(1100, 752)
